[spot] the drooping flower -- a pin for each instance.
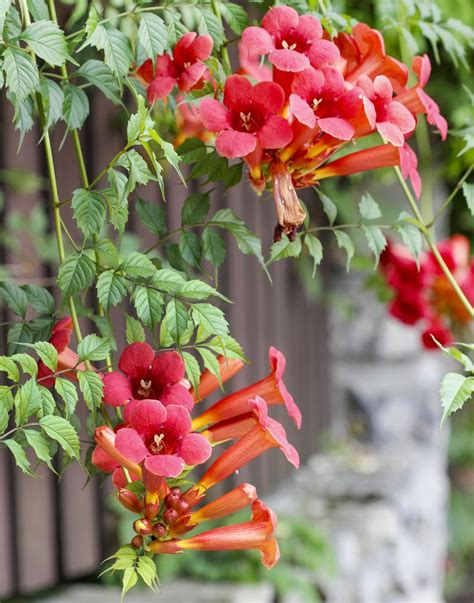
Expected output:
(67, 358)
(292, 42)
(272, 388)
(145, 374)
(185, 69)
(248, 117)
(258, 533)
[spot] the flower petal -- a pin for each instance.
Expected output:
(191, 76)
(136, 358)
(280, 20)
(214, 115)
(323, 53)
(178, 424)
(129, 443)
(167, 367)
(310, 28)
(160, 87)
(302, 111)
(308, 84)
(257, 40)
(275, 133)
(164, 465)
(398, 114)
(288, 60)
(201, 48)
(183, 46)
(117, 389)
(269, 97)
(237, 92)
(103, 461)
(177, 394)
(147, 417)
(422, 68)
(336, 127)
(231, 143)
(194, 449)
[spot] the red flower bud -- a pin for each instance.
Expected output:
(170, 516)
(171, 500)
(151, 511)
(182, 507)
(159, 530)
(142, 526)
(137, 541)
(130, 501)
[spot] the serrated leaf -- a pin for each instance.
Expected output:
(226, 346)
(47, 353)
(190, 249)
(168, 280)
(47, 40)
(213, 247)
(345, 242)
(27, 400)
(195, 208)
(19, 455)
(40, 298)
(208, 23)
(14, 297)
(134, 330)
(412, 238)
(192, 150)
(329, 207)
(18, 334)
(10, 368)
(211, 363)
(89, 211)
(68, 393)
(193, 372)
(91, 387)
(107, 253)
(153, 35)
(100, 76)
(137, 265)
(152, 216)
(285, 249)
(27, 363)
(148, 304)
(176, 319)
(39, 445)
(47, 403)
(76, 106)
(315, 249)
(376, 241)
(455, 390)
(468, 191)
(76, 273)
(369, 208)
(111, 289)
(129, 579)
(196, 289)
(146, 569)
(235, 15)
(63, 432)
(211, 319)
(21, 73)
(117, 53)
(53, 100)
(93, 348)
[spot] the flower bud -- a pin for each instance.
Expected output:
(175, 490)
(142, 526)
(137, 541)
(151, 511)
(170, 516)
(130, 501)
(182, 507)
(171, 500)
(159, 530)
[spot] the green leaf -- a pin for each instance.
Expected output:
(107, 253)
(195, 208)
(133, 330)
(6, 404)
(21, 73)
(285, 249)
(18, 334)
(117, 53)
(411, 236)
(47, 40)
(176, 319)
(345, 242)
(211, 363)
(168, 280)
(247, 241)
(14, 297)
(153, 35)
(329, 207)
(213, 247)
(48, 354)
(148, 303)
(210, 318)
(19, 455)
(146, 569)
(375, 240)
(89, 211)
(190, 249)
(10, 368)
(208, 23)
(100, 76)
(76, 273)
(193, 371)
(28, 363)
(27, 400)
(111, 289)
(196, 289)
(137, 168)
(369, 208)
(40, 298)
(76, 106)
(67, 391)
(93, 348)
(315, 250)
(137, 265)
(235, 15)
(468, 191)
(53, 100)
(129, 579)
(192, 150)
(152, 216)
(91, 387)
(47, 403)
(455, 390)
(63, 432)
(39, 445)
(227, 346)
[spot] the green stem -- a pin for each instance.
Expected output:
(431, 244)
(223, 51)
(451, 196)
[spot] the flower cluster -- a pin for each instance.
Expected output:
(422, 292)
(158, 443)
(310, 99)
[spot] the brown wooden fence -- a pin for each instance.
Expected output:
(54, 531)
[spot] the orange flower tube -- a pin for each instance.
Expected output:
(231, 502)
(228, 367)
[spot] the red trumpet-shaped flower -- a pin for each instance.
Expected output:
(184, 69)
(230, 502)
(146, 375)
(292, 42)
(272, 388)
(67, 358)
(248, 118)
(208, 383)
(267, 433)
(258, 533)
